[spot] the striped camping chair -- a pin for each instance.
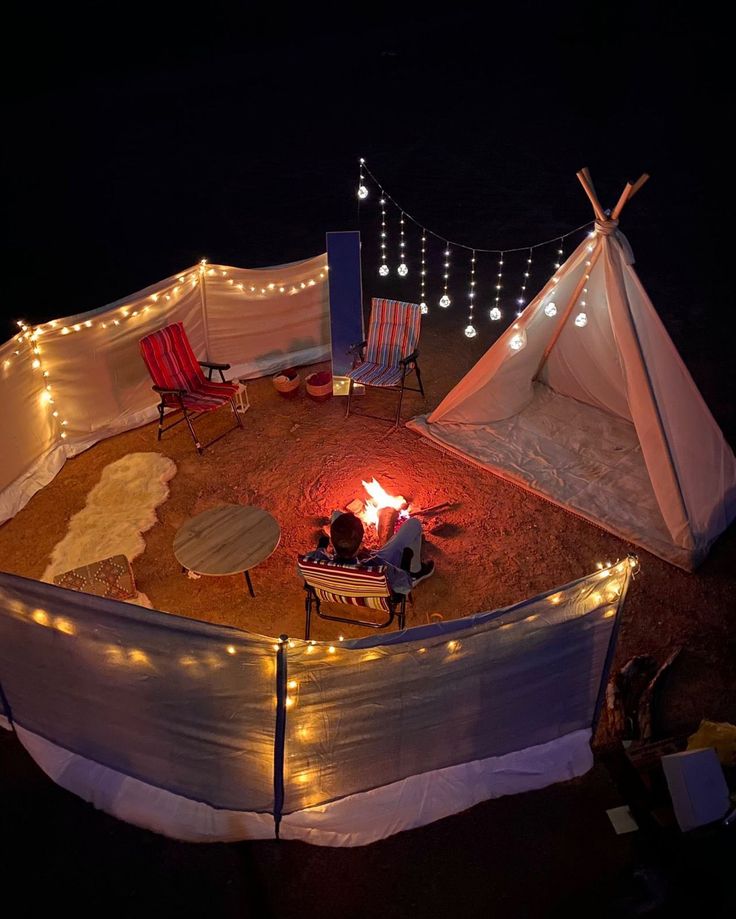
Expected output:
(178, 379)
(349, 585)
(390, 351)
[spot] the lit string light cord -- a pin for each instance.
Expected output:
(449, 242)
(445, 300)
(470, 330)
(30, 336)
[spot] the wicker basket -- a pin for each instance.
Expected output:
(319, 385)
(287, 383)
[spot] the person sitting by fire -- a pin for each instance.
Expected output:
(402, 554)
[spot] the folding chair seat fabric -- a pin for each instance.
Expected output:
(390, 349)
(363, 586)
(178, 378)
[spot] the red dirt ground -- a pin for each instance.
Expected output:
(496, 545)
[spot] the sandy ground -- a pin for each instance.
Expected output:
(495, 546)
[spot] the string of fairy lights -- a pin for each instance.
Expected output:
(31, 345)
(500, 298)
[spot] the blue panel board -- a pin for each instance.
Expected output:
(346, 302)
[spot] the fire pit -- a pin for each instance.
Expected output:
(380, 512)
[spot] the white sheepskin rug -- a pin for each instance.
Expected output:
(119, 510)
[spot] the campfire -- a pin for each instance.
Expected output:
(380, 512)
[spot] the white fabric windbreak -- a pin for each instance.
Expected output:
(620, 374)
(259, 321)
(213, 734)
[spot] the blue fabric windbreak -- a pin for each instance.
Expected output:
(248, 723)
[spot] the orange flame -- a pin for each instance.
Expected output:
(378, 499)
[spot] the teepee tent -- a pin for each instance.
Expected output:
(585, 401)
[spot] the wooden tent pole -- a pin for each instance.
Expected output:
(584, 277)
(588, 186)
(625, 195)
(628, 193)
(638, 184)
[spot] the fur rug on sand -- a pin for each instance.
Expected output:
(119, 510)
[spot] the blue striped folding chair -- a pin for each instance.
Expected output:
(390, 351)
(363, 586)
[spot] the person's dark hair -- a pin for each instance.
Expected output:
(346, 534)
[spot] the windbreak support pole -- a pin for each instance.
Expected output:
(280, 734)
(203, 299)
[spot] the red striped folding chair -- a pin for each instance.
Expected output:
(182, 386)
(390, 351)
(364, 586)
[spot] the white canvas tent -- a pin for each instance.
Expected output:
(585, 401)
(68, 383)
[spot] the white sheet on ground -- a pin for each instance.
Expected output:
(573, 454)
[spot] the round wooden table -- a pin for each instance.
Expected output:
(226, 540)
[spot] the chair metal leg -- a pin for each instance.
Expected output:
(419, 379)
(236, 412)
(197, 444)
(350, 396)
(308, 611)
(398, 409)
(249, 583)
(160, 420)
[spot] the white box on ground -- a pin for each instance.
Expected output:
(697, 786)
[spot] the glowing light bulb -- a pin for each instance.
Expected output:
(550, 310)
(331, 649)
(424, 308)
(470, 331)
(383, 270)
(516, 342)
(362, 192)
(403, 270)
(36, 364)
(495, 314)
(581, 320)
(445, 301)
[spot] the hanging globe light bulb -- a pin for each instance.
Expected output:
(445, 301)
(550, 310)
(516, 343)
(495, 314)
(581, 320)
(424, 308)
(362, 192)
(470, 331)
(403, 270)
(383, 270)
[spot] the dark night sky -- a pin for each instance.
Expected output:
(234, 134)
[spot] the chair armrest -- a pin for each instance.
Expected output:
(212, 366)
(405, 361)
(163, 390)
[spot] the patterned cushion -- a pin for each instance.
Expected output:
(352, 585)
(393, 332)
(110, 577)
(372, 374)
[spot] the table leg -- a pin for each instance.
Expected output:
(248, 582)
